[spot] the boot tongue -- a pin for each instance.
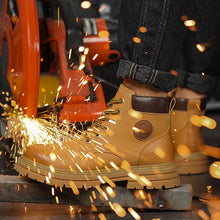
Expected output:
(124, 89)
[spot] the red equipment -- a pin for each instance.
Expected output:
(27, 36)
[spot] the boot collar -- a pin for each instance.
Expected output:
(183, 104)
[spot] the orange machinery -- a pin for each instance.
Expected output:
(48, 44)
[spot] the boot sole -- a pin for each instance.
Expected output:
(196, 163)
(160, 175)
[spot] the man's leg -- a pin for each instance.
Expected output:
(196, 80)
(131, 141)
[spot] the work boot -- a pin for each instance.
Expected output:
(131, 141)
(186, 137)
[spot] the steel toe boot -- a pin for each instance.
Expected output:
(130, 142)
(186, 136)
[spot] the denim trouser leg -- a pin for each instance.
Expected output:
(151, 37)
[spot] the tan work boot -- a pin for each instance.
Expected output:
(130, 142)
(186, 137)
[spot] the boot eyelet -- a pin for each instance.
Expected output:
(88, 141)
(122, 100)
(119, 111)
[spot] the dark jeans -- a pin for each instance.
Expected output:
(168, 46)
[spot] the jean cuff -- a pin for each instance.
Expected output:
(161, 80)
(201, 83)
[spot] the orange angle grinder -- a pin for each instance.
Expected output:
(49, 59)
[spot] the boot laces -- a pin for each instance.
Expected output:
(107, 112)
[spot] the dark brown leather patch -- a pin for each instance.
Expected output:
(150, 104)
(182, 104)
(142, 130)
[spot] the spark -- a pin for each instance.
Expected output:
(68, 85)
(102, 216)
(57, 199)
(160, 152)
(140, 194)
(49, 175)
(200, 47)
(89, 156)
(101, 192)
(114, 165)
(112, 121)
(59, 88)
(52, 191)
(81, 66)
(97, 142)
(148, 204)
(52, 169)
(144, 181)
(214, 169)
(101, 8)
(183, 150)
(174, 72)
(81, 48)
(70, 53)
(86, 51)
(74, 156)
(110, 191)
(137, 40)
(93, 195)
(80, 169)
(101, 159)
(135, 114)
(132, 175)
(189, 23)
(210, 151)
(53, 156)
(91, 199)
(83, 59)
(95, 87)
(203, 121)
(103, 34)
(203, 215)
(118, 209)
(34, 162)
(58, 15)
(138, 130)
(85, 4)
(98, 169)
(209, 188)
(94, 209)
(108, 170)
(126, 166)
(95, 56)
(143, 29)
(134, 213)
(101, 179)
(47, 179)
(74, 187)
